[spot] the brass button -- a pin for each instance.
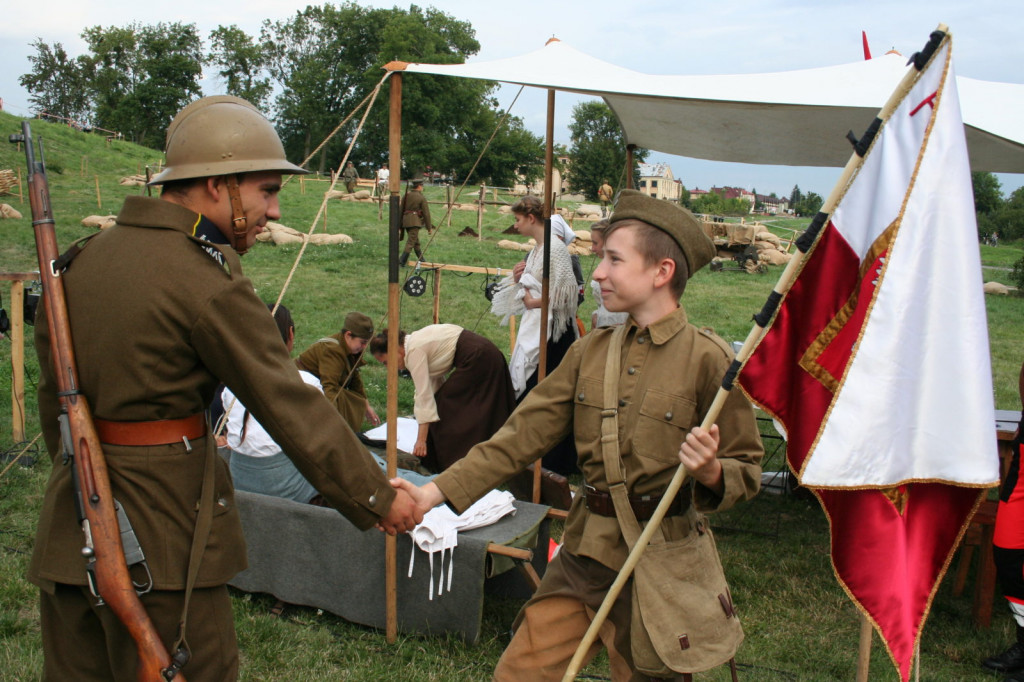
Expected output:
(668, 416)
(641, 339)
(622, 403)
(373, 501)
(580, 397)
(631, 371)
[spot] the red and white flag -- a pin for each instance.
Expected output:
(877, 364)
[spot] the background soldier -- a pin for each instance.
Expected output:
(150, 357)
(350, 177)
(415, 215)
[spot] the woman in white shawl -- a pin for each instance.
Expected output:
(520, 294)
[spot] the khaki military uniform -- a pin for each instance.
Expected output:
(415, 216)
(350, 177)
(329, 360)
(158, 318)
(605, 194)
(670, 374)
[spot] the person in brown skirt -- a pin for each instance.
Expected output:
(463, 389)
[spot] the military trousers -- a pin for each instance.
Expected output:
(412, 241)
(87, 643)
(553, 622)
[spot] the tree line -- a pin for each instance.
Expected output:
(308, 72)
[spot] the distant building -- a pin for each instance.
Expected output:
(656, 179)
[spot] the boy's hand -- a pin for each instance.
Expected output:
(426, 497)
(698, 453)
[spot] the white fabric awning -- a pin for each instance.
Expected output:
(790, 118)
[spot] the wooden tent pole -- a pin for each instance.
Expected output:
(629, 165)
(394, 223)
(545, 302)
(864, 649)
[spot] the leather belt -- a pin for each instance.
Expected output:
(159, 432)
(600, 503)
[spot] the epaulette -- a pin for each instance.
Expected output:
(710, 334)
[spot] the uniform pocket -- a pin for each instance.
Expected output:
(587, 410)
(662, 423)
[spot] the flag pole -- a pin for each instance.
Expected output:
(864, 652)
(761, 322)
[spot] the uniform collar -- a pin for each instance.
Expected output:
(665, 328)
(154, 212)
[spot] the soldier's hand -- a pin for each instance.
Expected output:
(403, 516)
(517, 270)
(698, 453)
(427, 497)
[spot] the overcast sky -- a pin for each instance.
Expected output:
(654, 36)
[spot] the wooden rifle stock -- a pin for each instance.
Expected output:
(107, 567)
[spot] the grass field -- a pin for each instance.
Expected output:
(799, 624)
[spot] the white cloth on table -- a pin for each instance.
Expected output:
(439, 532)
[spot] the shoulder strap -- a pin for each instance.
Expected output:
(610, 453)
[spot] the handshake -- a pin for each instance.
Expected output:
(409, 506)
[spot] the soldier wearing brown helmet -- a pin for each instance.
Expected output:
(415, 216)
(160, 314)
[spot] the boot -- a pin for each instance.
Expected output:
(1011, 660)
(403, 259)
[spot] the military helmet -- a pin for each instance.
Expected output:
(222, 135)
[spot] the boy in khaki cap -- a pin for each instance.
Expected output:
(669, 374)
(335, 360)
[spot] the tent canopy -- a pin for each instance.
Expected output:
(790, 118)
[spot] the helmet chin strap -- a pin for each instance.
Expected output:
(239, 224)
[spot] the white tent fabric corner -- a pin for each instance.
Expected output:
(791, 118)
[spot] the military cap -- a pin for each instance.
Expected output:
(670, 218)
(358, 325)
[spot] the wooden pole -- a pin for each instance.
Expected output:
(21, 197)
(545, 296)
(394, 223)
(99, 200)
(18, 361)
(448, 200)
(480, 213)
(437, 296)
(864, 649)
(629, 165)
(780, 290)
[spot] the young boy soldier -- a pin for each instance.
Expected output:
(160, 314)
(415, 215)
(335, 360)
(669, 373)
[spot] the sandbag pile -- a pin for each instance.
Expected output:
(588, 212)
(997, 288)
(280, 235)
(770, 249)
(514, 246)
(363, 195)
(8, 211)
(100, 222)
(133, 180)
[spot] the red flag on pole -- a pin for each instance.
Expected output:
(877, 364)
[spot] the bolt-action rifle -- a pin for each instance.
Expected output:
(110, 543)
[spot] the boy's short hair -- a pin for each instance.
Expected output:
(655, 245)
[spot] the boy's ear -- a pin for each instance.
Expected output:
(666, 271)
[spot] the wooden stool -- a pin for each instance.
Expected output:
(979, 535)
